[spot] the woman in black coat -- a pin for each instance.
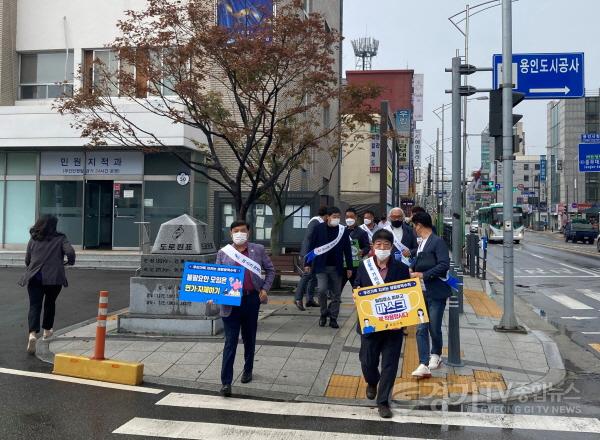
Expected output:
(45, 274)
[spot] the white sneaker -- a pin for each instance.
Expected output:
(48, 334)
(435, 362)
(31, 344)
(422, 371)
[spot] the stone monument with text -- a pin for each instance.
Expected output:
(154, 306)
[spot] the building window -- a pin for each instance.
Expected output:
(46, 75)
(307, 7)
(101, 68)
(526, 178)
(163, 84)
(21, 164)
(20, 210)
(263, 221)
(537, 166)
(228, 216)
(526, 167)
(536, 178)
(65, 201)
(300, 215)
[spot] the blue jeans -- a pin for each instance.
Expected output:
(244, 318)
(433, 329)
(306, 285)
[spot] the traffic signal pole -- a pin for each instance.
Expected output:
(456, 164)
(509, 321)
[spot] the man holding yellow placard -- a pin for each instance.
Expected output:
(386, 300)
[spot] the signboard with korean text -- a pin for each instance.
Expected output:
(403, 181)
(375, 145)
(545, 75)
(417, 148)
(543, 165)
(202, 282)
(590, 138)
(589, 158)
(417, 100)
(390, 306)
(78, 163)
(403, 122)
(403, 150)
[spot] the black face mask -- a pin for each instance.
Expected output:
(396, 223)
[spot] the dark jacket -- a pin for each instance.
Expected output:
(397, 271)
(341, 250)
(310, 229)
(434, 262)
(47, 257)
(363, 240)
(409, 238)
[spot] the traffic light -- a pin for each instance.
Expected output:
(499, 147)
(495, 125)
(487, 185)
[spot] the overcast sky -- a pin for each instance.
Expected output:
(417, 35)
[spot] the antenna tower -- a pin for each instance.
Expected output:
(365, 49)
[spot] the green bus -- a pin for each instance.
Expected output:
(491, 223)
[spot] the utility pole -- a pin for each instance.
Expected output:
(456, 164)
(437, 179)
(383, 157)
(508, 322)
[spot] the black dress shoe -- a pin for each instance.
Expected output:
(226, 390)
(384, 411)
(312, 303)
(246, 377)
(322, 321)
(333, 323)
(299, 305)
(371, 391)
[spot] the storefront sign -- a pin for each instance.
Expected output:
(374, 150)
(390, 306)
(95, 163)
(403, 122)
(202, 282)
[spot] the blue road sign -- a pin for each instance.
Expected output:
(545, 75)
(498, 186)
(589, 158)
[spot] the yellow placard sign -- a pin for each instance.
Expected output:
(390, 306)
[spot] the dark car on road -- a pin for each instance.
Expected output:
(580, 231)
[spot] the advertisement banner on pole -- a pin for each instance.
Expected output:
(543, 168)
(375, 140)
(417, 148)
(418, 81)
(403, 150)
(403, 181)
(403, 122)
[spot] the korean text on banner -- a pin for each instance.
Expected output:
(390, 306)
(202, 282)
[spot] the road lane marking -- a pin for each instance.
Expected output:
(209, 431)
(570, 303)
(595, 275)
(590, 333)
(536, 255)
(402, 416)
(95, 383)
(579, 318)
(590, 294)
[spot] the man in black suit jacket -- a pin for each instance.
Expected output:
(402, 231)
(329, 266)
(385, 344)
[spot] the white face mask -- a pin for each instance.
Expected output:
(240, 238)
(350, 222)
(334, 222)
(382, 254)
(367, 221)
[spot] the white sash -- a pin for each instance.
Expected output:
(245, 261)
(328, 246)
(368, 231)
(317, 218)
(373, 272)
(397, 243)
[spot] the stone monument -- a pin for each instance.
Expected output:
(154, 306)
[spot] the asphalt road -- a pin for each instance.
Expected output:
(43, 408)
(560, 280)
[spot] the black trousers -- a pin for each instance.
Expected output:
(387, 346)
(244, 318)
(38, 294)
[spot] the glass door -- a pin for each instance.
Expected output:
(127, 198)
(98, 214)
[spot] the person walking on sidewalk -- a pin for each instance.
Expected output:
(387, 344)
(330, 245)
(45, 274)
(369, 225)
(255, 292)
(405, 240)
(431, 266)
(308, 281)
(360, 244)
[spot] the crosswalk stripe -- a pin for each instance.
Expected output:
(504, 421)
(208, 431)
(570, 303)
(588, 292)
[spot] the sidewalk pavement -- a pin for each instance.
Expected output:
(297, 359)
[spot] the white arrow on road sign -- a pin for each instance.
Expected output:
(564, 90)
(578, 318)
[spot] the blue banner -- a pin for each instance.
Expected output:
(589, 158)
(243, 13)
(403, 122)
(202, 282)
(543, 168)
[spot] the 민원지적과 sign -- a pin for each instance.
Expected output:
(202, 282)
(390, 306)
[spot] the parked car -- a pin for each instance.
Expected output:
(580, 231)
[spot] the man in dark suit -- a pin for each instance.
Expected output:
(359, 236)
(308, 281)
(402, 232)
(330, 244)
(431, 266)
(385, 344)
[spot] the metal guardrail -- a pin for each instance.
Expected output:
(475, 262)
